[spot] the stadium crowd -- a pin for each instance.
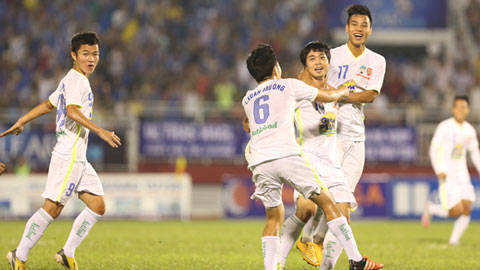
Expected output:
(186, 52)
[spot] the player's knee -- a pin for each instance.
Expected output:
(305, 210)
(100, 209)
(52, 208)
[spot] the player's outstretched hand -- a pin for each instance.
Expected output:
(3, 167)
(110, 137)
(16, 129)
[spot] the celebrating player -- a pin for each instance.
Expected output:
(362, 71)
(274, 157)
(451, 141)
(69, 170)
(316, 128)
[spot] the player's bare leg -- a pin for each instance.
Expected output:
(81, 227)
(305, 245)
(270, 236)
(34, 229)
(340, 228)
(292, 228)
(461, 210)
(332, 248)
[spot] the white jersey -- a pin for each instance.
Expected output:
(72, 138)
(270, 109)
(367, 72)
(317, 129)
(449, 145)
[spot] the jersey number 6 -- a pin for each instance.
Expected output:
(261, 118)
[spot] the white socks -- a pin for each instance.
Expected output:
(341, 230)
(36, 226)
(270, 245)
(332, 249)
(81, 226)
(437, 210)
(322, 229)
(311, 226)
(292, 228)
(459, 228)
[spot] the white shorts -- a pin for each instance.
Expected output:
(334, 179)
(270, 176)
(352, 159)
(66, 177)
(458, 188)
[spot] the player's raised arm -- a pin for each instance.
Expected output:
(39, 110)
(108, 136)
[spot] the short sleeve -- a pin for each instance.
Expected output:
(303, 91)
(74, 91)
(53, 98)
(378, 74)
(473, 144)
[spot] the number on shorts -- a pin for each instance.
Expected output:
(257, 107)
(70, 189)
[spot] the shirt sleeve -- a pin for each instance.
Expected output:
(303, 91)
(74, 90)
(53, 98)
(474, 152)
(437, 150)
(378, 74)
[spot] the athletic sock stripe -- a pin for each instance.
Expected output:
(44, 216)
(297, 220)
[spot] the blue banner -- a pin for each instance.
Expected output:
(409, 14)
(208, 140)
(391, 144)
(35, 148)
(384, 197)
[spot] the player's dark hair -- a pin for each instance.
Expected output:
(261, 61)
(461, 98)
(315, 46)
(359, 10)
(81, 38)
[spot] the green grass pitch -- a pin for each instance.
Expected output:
(234, 244)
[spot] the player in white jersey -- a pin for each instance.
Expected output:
(362, 71)
(69, 170)
(273, 154)
(316, 128)
(451, 141)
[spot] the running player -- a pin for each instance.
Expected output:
(362, 71)
(69, 170)
(273, 154)
(451, 141)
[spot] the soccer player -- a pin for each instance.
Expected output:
(451, 141)
(3, 167)
(273, 154)
(316, 128)
(69, 171)
(362, 71)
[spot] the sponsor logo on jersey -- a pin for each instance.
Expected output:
(350, 85)
(365, 72)
(265, 127)
(328, 125)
